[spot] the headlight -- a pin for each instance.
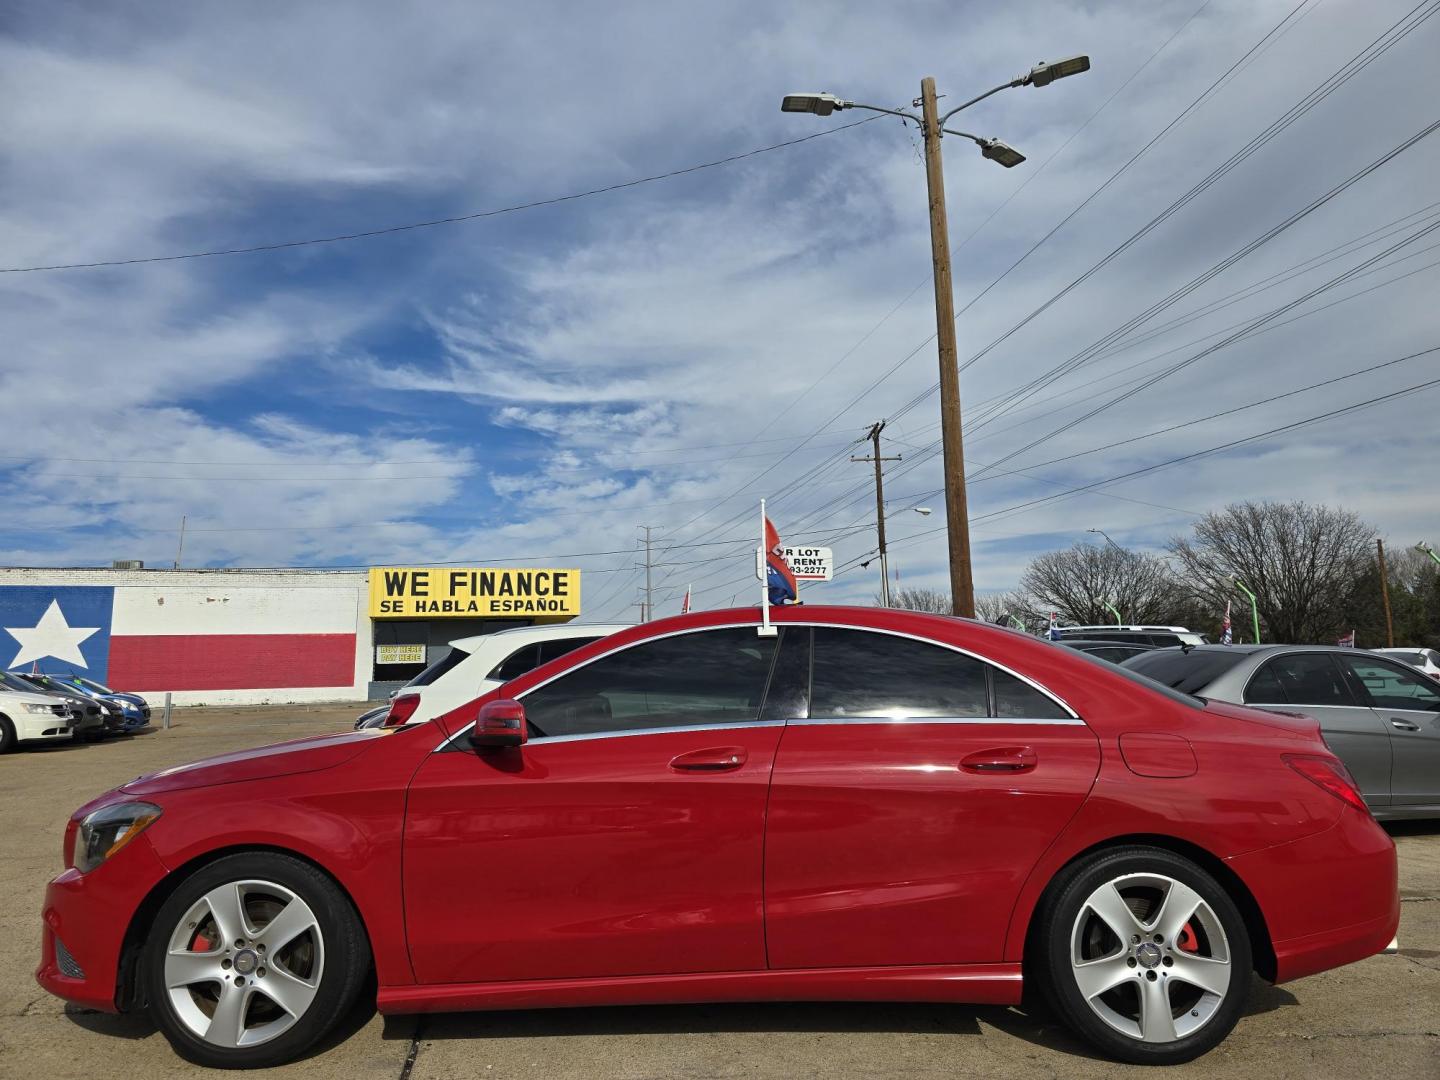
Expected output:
(32, 708)
(109, 829)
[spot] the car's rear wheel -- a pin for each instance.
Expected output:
(252, 960)
(1144, 954)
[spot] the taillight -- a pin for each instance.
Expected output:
(401, 709)
(1329, 774)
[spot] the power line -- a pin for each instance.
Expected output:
(454, 220)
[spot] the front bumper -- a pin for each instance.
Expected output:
(41, 727)
(1328, 899)
(84, 922)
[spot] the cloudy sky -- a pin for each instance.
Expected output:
(534, 385)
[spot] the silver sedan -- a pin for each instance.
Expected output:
(1380, 716)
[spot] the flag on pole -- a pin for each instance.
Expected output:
(779, 579)
(1054, 626)
(1226, 637)
(685, 604)
(1347, 641)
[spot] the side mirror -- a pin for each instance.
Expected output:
(500, 723)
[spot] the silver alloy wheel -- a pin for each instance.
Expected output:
(1150, 957)
(244, 963)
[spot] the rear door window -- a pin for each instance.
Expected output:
(857, 673)
(1304, 679)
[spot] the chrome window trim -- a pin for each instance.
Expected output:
(672, 730)
(818, 721)
(1072, 720)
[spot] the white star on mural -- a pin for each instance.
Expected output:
(51, 636)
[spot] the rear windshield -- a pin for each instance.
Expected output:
(1142, 679)
(1188, 672)
(439, 667)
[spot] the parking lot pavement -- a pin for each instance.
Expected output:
(1377, 1018)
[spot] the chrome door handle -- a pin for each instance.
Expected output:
(1404, 725)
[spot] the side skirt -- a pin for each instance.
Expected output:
(971, 984)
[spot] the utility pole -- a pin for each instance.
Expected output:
(957, 514)
(647, 609)
(874, 436)
(1385, 594)
(180, 549)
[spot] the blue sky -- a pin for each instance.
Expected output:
(540, 383)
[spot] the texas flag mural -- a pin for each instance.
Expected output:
(153, 638)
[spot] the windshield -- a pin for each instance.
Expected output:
(1189, 672)
(22, 684)
(91, 684)
(439, 667)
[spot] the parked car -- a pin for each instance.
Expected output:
(1160, 636)
(372, 717)
(89, 721)
(866, 804)
(1426, 660)
(28, 716)
(108, 717)
(1379, 715)
(133, 708)
(1116, 652)
(477, 664)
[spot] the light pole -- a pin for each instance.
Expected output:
(1428, 550)
(1254, 607)
(1113, 610)
(932, 126)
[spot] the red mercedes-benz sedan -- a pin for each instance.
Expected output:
(866, 805)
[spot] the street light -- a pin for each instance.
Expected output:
(1043, 74)
(1422, 546)
(1254, 606)
(923, 511)
(1106, 535)
(932, 127)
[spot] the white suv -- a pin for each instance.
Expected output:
(32, 718)
(476, 665)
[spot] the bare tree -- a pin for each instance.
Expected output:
(932, 600)
(1303, 562)
(1008, 608)
(1080, 581)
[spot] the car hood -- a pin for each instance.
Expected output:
(281, 759)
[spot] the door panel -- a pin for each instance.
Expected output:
(882, 849)
(584, 857)
(1407, 705)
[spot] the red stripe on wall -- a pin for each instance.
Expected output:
(159, 662)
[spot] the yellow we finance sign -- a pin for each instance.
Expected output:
(398, 592)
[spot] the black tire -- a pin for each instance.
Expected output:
(345, 952)
(1059, 933)
(8, 741)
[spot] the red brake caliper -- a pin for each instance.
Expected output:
(1186, 941)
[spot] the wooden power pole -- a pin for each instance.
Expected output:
(874, 436)
(957, 515)
(1385, 594)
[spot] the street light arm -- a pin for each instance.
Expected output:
(890, 112)
(1003, 86)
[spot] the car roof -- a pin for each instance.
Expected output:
(1131, 627)
(1072, 642)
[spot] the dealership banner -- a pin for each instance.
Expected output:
(425, 592)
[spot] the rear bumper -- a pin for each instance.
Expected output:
(87, 916)
(1328, 899)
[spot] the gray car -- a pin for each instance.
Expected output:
(1381, 717)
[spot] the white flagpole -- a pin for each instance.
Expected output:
(763, 566)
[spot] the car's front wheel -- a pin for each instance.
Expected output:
(252, 960)
(1144, 954)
